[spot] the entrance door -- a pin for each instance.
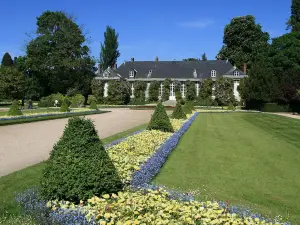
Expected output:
(172, 92)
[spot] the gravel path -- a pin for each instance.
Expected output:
(288, 115)
(23, 145)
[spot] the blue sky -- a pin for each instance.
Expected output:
(163, 28)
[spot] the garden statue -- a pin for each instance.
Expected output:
(56, 103)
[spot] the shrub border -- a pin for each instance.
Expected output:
(42, 117)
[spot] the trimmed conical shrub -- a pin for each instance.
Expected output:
(178, 112)
(187, 108)
(14, 109)
(79, 166)
(93, 105)
(64, 106)
(160, 120)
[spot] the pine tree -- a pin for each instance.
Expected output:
(178, 112)
(7, 60)
(64, 106)
(93, 105)
(14, 109)
(160, 120)
(109, 50)
(294, 21)
(79, 166)
(204, 58)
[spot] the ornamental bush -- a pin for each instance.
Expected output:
(230, 106)
(91, 98)
(79, 166)
(14, 109)
(188, 107)
(93, 105)
(77, 101)
(64, 106)
(178, 112)
(160, 120)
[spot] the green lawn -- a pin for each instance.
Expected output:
(28, 177)
(250, 159)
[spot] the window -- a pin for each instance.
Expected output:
(182, 90)
(213, 73)
(161, 90)
(105, 74)
(236, 73)
(131, 73)
(149, 73)
(195, 73)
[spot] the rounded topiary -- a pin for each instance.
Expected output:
(79, 166)
(160, 120)
(14, 109)
(178, 112)
(187, 108)
(230, 106)
(64, 106)
(93, 105)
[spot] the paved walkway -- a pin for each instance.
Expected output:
(288, 115)
(23, 145)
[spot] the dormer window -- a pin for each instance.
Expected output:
(105, 74)
(149, 73)
(213, 73)
(131, 73)
(236, 73)
(195, 73)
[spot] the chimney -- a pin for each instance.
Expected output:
(156, 59)
(115, 66)
(245, 68)
(132, 59)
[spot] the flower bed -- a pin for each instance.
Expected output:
(36, 115)
(138, 158)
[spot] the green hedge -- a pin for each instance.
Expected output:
(274, 107)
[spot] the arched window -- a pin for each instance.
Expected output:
(213, 73)
(236, 73)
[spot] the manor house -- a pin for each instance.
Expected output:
(181, 71)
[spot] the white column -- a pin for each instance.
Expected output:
(235, 90)
(213, 89)
(160, 91)
(182, 90)
(106, 89)
(147, 91)
(197, 89)
(132, 91)
(172, 92)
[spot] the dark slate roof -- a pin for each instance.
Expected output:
(231, 71)
(175, 69)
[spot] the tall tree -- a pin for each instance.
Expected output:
(12, 83)
(58, 57)
(109, 49)
(285, 58)
(7, 60)
(294, 21)
(204, 58)
(243, 41)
